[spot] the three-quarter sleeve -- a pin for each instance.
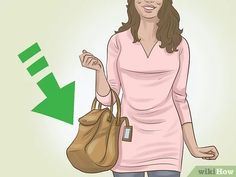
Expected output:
(180, 84)
(113, 51)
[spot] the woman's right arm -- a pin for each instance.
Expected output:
(103, 83)
(89, 61)
(102, 86)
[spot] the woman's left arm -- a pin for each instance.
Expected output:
(181, 103)
(208, 152)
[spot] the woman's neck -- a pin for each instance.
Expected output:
(147, 29)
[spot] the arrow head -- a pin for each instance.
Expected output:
(59, 105)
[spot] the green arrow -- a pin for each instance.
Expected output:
(59, 103)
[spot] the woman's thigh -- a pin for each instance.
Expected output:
(163, 173)
(128, 174)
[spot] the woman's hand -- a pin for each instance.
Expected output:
(207, 153)
(89, 61)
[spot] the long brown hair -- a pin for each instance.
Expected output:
(168, 31)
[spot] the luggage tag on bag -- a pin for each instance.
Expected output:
(127, 133)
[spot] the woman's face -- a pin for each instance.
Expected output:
(148, 8)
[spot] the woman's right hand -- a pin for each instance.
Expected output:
(89, 61)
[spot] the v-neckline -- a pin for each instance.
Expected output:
(148, 55)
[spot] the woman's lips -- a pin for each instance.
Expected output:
(148, 7)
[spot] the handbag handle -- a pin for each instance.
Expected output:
(100, 104)
(118, 113)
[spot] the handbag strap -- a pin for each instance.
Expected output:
(118, 113)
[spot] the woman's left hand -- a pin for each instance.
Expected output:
(207, 152)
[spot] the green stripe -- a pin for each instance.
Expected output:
(49, 85)
(37, 66)
(29, 52)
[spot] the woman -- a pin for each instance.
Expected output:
(149, 59)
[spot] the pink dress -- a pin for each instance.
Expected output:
(154, 100)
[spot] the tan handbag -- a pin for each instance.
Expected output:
(96, 145)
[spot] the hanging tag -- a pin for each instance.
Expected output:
(127, 134)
